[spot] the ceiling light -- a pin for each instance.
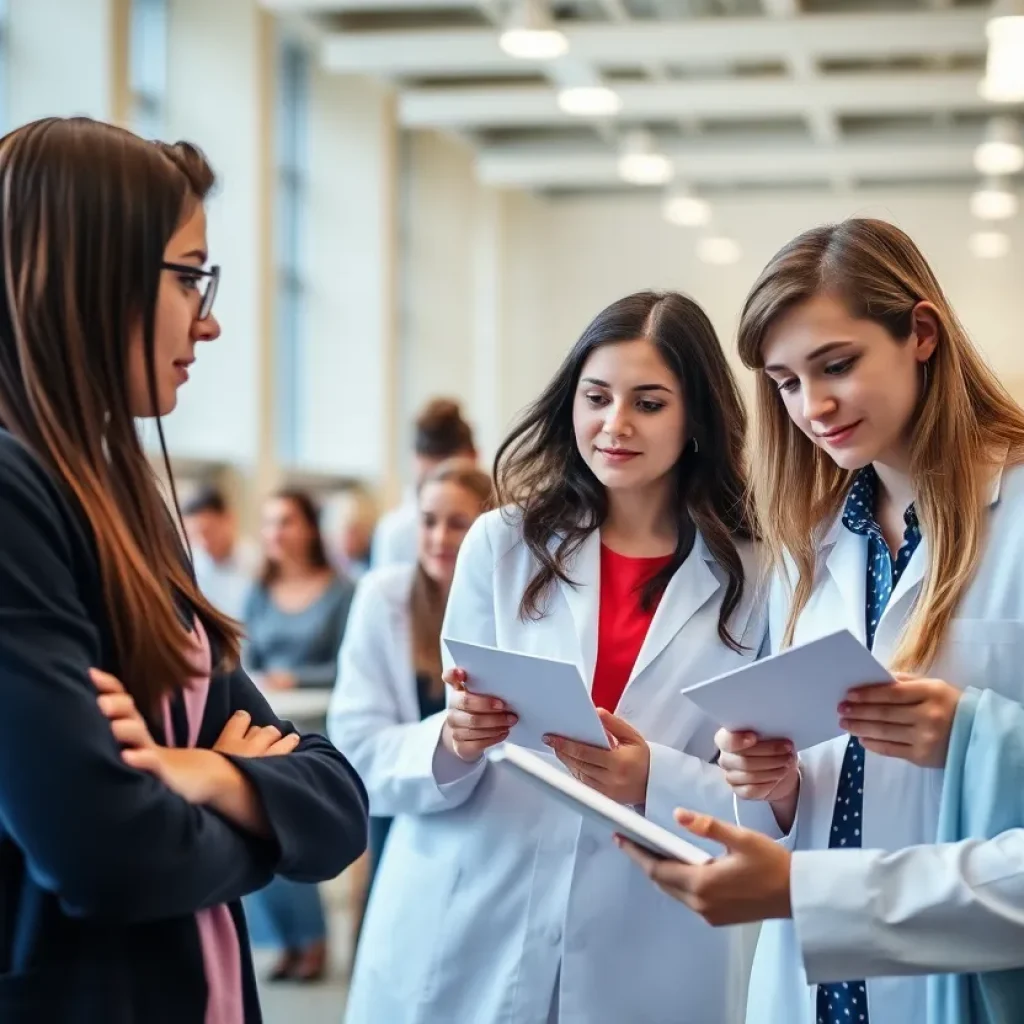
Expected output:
(1001, 151)
(641, 163)
(995, 200)
(530, 33)
(1004, 69)
(718, 250)
(589, 101)
(989, 245)
(682, 207)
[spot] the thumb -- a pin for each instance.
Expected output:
(619, 728)
(732, 837)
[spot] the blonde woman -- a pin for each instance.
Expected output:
(874, 404)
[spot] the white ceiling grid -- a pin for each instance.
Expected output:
(738, 94)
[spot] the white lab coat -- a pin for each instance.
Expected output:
(487, 890)
(394, 539)
(984, 648)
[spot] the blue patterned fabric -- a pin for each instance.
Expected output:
(847, 1002)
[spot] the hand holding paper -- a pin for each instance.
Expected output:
(620, 773)
(475, 721)
(548, 697)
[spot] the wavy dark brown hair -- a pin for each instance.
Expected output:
(965, 426)
(86, 211)
(542, 476)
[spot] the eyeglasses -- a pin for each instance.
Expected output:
(208, 280)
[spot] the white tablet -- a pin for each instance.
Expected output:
(580, 798)
(794, 694)
(549, 696)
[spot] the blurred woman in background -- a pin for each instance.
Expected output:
(295, 620)
(389, 679)
(441, 433)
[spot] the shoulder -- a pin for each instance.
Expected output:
(389, 585)
(497, 535)
(398, 518)
(29, 494)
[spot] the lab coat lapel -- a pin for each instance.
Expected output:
(583, 597)
(692, 586)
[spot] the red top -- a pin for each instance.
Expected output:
(622, 622)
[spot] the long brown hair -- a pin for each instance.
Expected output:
(541, 474)
(86, 211)
(965, 425)
(308, 511)
(427, 600)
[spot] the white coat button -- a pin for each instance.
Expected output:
(588, 846)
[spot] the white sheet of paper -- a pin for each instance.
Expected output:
(616, 817)
(794, 694)
(549, 696)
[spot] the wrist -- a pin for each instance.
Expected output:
(220, 779)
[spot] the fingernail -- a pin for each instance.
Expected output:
(618, 841)
(548, 740)
(749, 741)
(844, 707)
(497, 705)
(511, 719)
(844, 723)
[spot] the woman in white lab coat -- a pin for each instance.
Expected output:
(389, 672)
(622, 548)
(887, 450)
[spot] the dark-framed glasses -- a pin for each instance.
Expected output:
(207, 282)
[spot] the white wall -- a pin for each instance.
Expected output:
(346, 371)
(61, 59)
(218, 61)
(592, 251)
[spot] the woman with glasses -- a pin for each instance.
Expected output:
(145, 785)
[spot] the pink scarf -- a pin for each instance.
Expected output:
(222, 957)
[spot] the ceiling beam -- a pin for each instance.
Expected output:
(885, 156)
(713, 99)
(692, 43)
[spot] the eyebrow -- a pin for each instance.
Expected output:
(822, 350)
(199, 254)
(639, 387)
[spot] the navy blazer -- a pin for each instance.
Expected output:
(102, 867)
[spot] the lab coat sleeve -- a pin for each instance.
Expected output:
(394, 757)
(951, 908)
(677, 779)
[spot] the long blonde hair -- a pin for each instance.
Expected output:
(966, 422)
(427, 601)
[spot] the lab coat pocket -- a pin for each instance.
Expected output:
(984, 653)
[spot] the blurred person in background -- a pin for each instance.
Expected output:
(225, 565)
(389, 677)
(295, 619)
(349, 519)
(441, 433)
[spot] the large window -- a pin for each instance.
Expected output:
(147, 68)
(292, 185)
